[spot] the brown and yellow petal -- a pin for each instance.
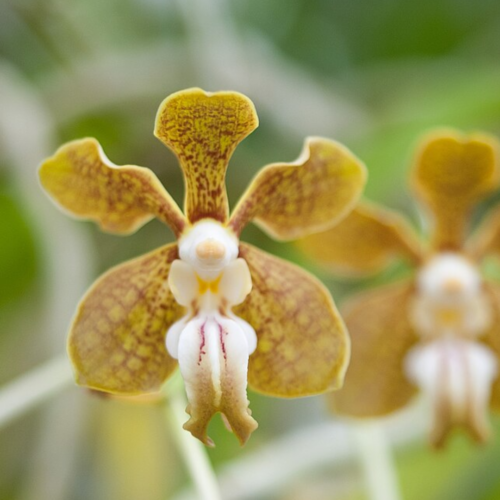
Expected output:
(203, 129)
(303, 346)
(364, 242)
(486, 240)
(117, 339)
(452, 173)
(292, 200)
(81, 180)
(381, 336)
(492, 340)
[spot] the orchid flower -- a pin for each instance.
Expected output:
(225, 311)
(440, 330)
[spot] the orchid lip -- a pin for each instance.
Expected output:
(211, 344)
(456, 375)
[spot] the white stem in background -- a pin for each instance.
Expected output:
(26, 137)
(266, 471)
(193, 452)
(377, 461)
(33, 388)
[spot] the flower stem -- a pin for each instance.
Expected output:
(33, 388)
(192, 450)
(377, 462)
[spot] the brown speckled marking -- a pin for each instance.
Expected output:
(486, 240)
(452, 173)
(492, 339)
(381, 335)
(117, 340)
(302, 346)
(201, 410)
(234, 408)
(203, 130)
(364, 242)
(291, 200)
(119, 199)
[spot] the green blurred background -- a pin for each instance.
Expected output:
(374, 75)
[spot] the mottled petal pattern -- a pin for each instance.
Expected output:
(364, 242)
(82, 181)
(203, 130)
(492, 340)
(291, 200)
(117, 340)
(381, 335)
(452, 173)
(303, 346)
(486, 240)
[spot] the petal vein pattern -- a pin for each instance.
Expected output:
(203, 129)
(83, 181)
(116, 342)
(303, 346)
(292, 200)
(364, 242)
(381, 335)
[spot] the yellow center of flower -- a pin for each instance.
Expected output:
(448, 317)
(211, 286)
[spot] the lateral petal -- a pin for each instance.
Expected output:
(292, 200)
(236, 282)
(451, 174)
(486, 240)
(303, 346)
(203, 129)
(117, 339)
(183, 283)
(492, 339)
(364, 242)
(84, 182)
(381, 336)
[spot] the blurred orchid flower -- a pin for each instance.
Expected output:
(439, 331)
(224, 310)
